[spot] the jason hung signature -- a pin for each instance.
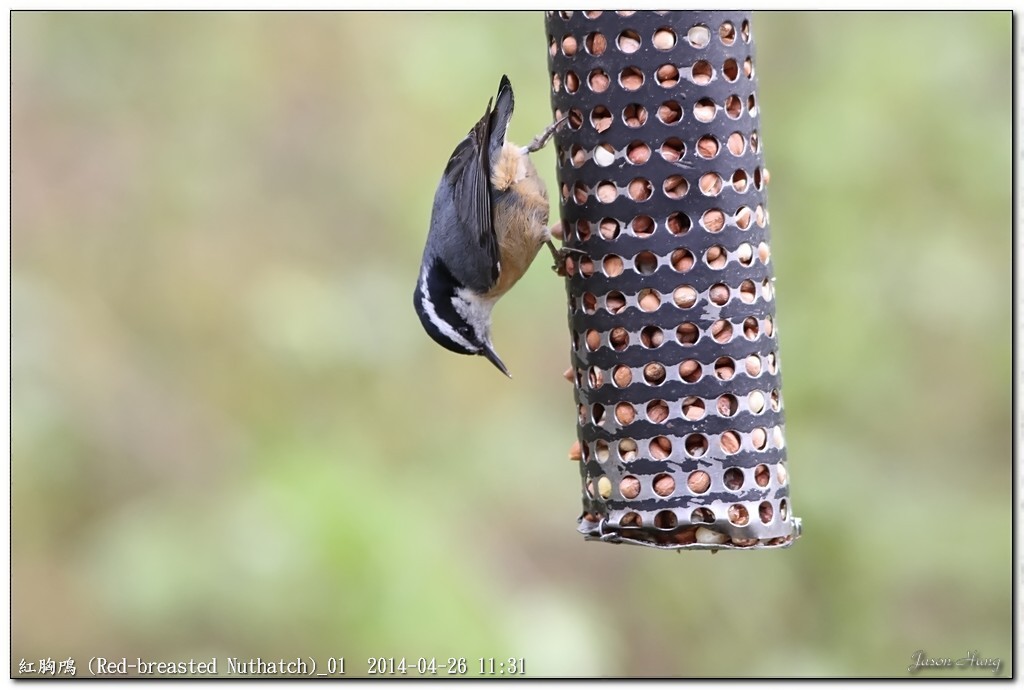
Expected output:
(920, 660)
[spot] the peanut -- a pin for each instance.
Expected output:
(672, 150)
(676, 187)
(721, 331)
(631, 78)
(710, 184)
(640, 190)
(642, 226)
(687, 333)
(669, 112)
(690, 370)
(660, 448)
(750, 328)
(667, 75)
(730, 442)
(638, 153)
(743, 218)
(652, 337)
(664, 485)
(693, 407)
(630, 520)
(719, 294)
(649, 300)
(615, 302)
(687, 535)
(701, 72)
(716, 256)
(606, 192)
(727, 32)
(657, 411)
(629, 487)
(755, 400)
(604, 155)
(748, 293)
(572, 82)
(710, 536)
(745, 253)
(619, 338)
(733, 479)
(737, 513)
(684, 296)
(599, 81)
(698, 36)
(629, 42)
(704, 110)
(707, 146)
(664, 39)
(622, 375)
(698, 482)
(682, 260)
(713, 220)
(736, 144)
(654, 373)
(678, 223)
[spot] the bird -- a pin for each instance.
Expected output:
(488, 223)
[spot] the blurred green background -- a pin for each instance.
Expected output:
(231, 436)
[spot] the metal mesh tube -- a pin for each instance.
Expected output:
(671, 301)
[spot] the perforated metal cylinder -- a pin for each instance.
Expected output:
(671, 301)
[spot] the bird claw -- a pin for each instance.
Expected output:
(560, 256)
(541, 139)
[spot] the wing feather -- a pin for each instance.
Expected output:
(467, 177)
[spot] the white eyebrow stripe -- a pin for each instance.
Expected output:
(441, 324)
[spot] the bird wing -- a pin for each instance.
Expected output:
(468, 173)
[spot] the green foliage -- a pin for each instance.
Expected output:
(231, 437)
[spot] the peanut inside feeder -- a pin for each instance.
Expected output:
(674, 347)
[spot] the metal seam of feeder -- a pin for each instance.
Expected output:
(671, 302)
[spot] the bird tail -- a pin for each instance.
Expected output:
(500, 117)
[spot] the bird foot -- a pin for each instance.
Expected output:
(541, 139)
(561, 256)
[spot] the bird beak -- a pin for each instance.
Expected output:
(491, 355)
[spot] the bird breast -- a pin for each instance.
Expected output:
(520, 221)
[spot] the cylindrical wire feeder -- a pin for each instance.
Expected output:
(671, 301)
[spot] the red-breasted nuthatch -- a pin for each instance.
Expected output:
(489, 220)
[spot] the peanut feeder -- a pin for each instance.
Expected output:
(674, 355)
